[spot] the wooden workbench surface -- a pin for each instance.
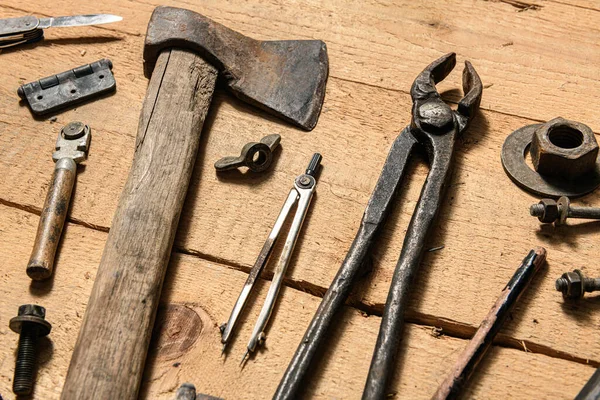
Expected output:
(537, 60)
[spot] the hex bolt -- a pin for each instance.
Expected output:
(30, 324)
(549, 211)
(573, 285)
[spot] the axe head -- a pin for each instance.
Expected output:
(285, 78)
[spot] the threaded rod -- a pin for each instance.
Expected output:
(536, 210)
(583, 212)
(561, 284)
(592, 284)
(25, 366)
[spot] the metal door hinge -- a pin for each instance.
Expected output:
(69, 87)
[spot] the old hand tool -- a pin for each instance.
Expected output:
(30, 324)
(301, 193)
(434, 128)
(72, 145)
(257, 156)
(29, 29)
(183, 53)
(70, 87)
(451, 387)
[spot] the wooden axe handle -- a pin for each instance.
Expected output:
(110, 353)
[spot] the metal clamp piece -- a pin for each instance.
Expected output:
(69, 87)
(257, 156)
(301, 193)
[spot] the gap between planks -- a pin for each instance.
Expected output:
(439, 326)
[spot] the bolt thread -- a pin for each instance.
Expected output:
(25, 365)
(536, 210)
(592, 284)
(584, 212)
(561, 284)
(314, 164)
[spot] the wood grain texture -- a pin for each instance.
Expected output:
(197, 297)
(109, 356)
(536, 64)
(481, 226)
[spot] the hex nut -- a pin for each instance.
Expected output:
(551, 211)
(574, 289)
(563, 148)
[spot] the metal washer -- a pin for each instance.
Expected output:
(513, 160)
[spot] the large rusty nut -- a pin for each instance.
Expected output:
(575, 285)
(563, 148)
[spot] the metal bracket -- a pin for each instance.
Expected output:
(69, 87)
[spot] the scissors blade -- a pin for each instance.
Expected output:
(78, 20)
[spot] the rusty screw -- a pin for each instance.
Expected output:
(30, 324)
(549, 211)
(573, 285)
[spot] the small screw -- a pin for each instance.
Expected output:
(549, 211)
(304, 181)
(30, 324)
(73, 130)
(573, 285)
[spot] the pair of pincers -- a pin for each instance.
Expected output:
(434, 128)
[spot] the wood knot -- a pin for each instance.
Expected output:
(176, 330)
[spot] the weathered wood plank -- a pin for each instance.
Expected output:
(537, 62)
(198, 296)
(485, 228)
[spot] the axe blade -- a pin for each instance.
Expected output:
(285, 78)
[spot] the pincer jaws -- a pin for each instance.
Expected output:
(429, 110)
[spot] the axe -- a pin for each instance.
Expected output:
(184, 54)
